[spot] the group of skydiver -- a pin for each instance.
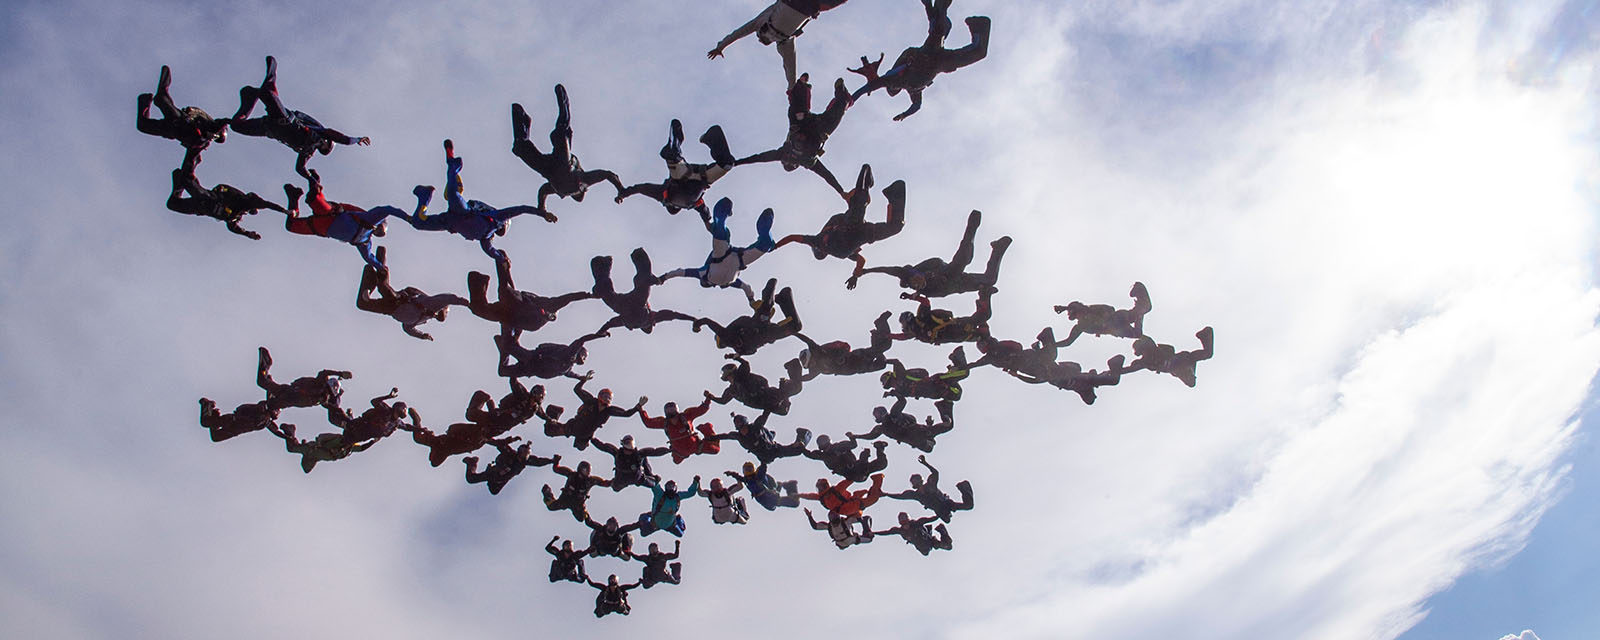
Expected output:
(488, 420)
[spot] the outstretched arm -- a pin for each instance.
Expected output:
(916, 104)
(734, 36)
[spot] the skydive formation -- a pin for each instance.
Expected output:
(852, 459)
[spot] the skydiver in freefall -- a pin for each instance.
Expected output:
(927, 493)
(610, 539)
(766, 490)
(941, 326)
(896, 424)
(761, 442)
(517, 406)
(778, 24)
(523, 310)
(564, 175)
(686, 184)
(936, 278)
(683, 435)
(837, 358)
(1164, 358)
(567, 563)
(575, 493)
(245, 418)
(470, 219)
(808, 132)
(839, 499)
(632, 308)
(466, 437)
(298, 131)
(725, 262)
(613, 597)
(916, 67)
(192, 127)
(842, 459)
(548, 360)
(506, 465)
(726, 508)
(1037, 365)
(309, 391)
(663, 513)
(752, 390)
(917, 382)
(593, 412)
(631, 465)
(338, 220)
(222, 202)
(746, 334)
(325, 447)
(410, 306)
(656, 569)
(377, 422)
(842, 528)
(1105, 320)
(845, 234)
(920, 533)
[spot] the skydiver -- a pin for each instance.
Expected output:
(1037, 365)
(298, 131)
(245, 418)
(686, 184)
(930, 497)
(936, 278)
(941, 326)
(778, 24)
(222, 202)
(846, 233)
(1164, 358)
(613, 597)
(575, 493)
(663, 513)
(466, 437)
(919, 533)
(517, 406)
(564, 175)
(521, 310)
(632, 308)
(902, 427)
(901, 382)
(916, 67)
(752, 389)
(506, 465)
(838, 499)
(192, 127)
(808, 132)
(837, 358)
(725, 507)
(841, 458)
(1105, 320)
(548, 360)
(593, 412)
(470, 219)
(745, 334)
(681, 430)
(325, 447)
(375, 423)
(766, 490)
(631, 464)
(725, 262)
(309, 391)
(338, 220)
(611, 538)
(656, 569)
(567, 565)
(760, 442)
(842, 529)
(409, 306)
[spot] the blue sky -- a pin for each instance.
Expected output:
(1386, 209)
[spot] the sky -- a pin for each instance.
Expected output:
(1385, 209)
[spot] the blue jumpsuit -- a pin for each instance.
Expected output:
(663, 514)
(470, 219)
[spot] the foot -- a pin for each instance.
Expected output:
(677, 131)
(520, 119)
(423, 192)
(145, 100)
(802, 435)
(166, 79)
(294, 194)
(263, 358)
(1205, 337)
(1001, 244)
(561, 98)
(272, 73)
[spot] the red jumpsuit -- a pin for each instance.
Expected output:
(680, 430)
(839, 499)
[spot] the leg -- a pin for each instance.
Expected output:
(950, 60)
(821, 170)
(600, 267)
(786, 51)
(717, 142)
(964, 250)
